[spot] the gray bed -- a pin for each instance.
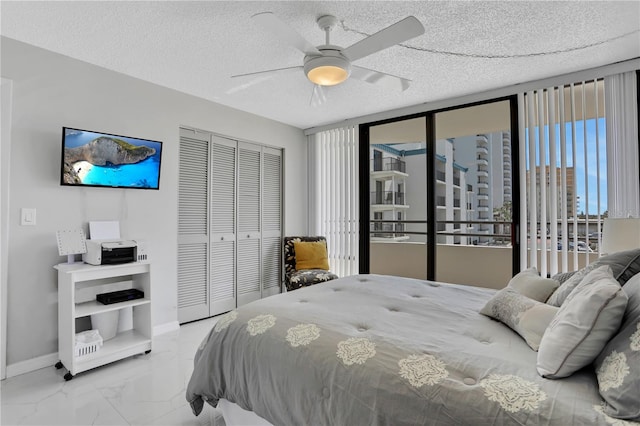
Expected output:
(372, 349)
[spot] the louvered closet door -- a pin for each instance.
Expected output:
(271, 221)
(193, 181)
(223, 225)
(248, 263)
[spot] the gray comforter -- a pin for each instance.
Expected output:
(371, 349)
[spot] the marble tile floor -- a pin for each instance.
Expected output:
(140, 390)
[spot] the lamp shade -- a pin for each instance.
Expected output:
(620, 234)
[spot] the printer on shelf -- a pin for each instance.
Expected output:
(110, 252)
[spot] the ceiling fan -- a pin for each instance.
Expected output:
(328, 64)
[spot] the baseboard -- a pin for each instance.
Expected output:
(167, 327)
(32, 364)
(49, 360)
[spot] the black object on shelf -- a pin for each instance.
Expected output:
(119, 296)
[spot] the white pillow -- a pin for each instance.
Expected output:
(527, 317)
(529, 283)
(583, 325)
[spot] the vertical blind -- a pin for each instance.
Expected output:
(333, 195)
(579, 165)
(561, 169)
(622, 145)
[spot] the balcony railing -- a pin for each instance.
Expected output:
(387, 164)
(478, 232)
(441, 176)
(442, 228)
(581, 236)
(491, 232)
(442, 201)
(387, 197)
(382, 229)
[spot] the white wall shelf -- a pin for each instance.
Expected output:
(72, 279)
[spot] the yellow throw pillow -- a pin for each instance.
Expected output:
(311, 255)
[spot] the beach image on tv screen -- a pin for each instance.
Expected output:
(106, 160)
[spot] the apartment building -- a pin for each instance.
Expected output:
(473, 180)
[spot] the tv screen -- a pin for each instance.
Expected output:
(102, 159)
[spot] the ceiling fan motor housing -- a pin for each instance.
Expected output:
(329, 69)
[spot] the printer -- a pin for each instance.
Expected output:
(110, 252)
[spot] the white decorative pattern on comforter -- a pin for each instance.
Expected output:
(373, 349)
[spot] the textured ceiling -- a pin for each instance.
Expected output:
(194, 47)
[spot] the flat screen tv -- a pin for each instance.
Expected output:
(102, 159)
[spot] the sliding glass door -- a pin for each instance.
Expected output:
(474, 176)
(439, 195)
(397, 182)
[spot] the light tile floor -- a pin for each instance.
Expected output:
(141, 390)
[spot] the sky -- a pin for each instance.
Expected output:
(587, 183)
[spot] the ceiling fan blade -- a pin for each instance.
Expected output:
(259, 77)
(401, 31)
(318, 95)
(272, 23)
(253, 82)
(273, 71)
(379, 78)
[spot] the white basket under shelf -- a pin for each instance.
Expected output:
(87, 342)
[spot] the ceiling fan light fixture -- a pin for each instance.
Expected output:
(327, 70)
(327, 75)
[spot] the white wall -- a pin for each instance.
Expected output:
(51, 91)
(409, 259)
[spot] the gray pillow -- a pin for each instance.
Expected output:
(563, 276)
(585, 322)
(618, 365)
(560, 295)
(624, 265)
(529, 283)
(527, 317)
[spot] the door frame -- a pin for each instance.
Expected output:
(6, 93)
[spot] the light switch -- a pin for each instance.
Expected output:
(27, 216)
